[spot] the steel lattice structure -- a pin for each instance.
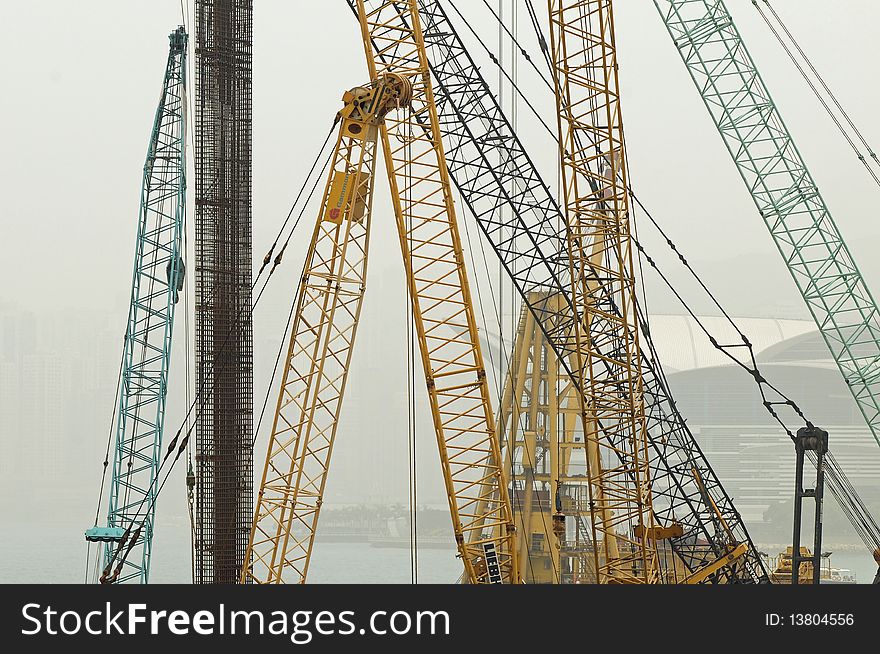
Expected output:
(530, 242)
(224, 338)
(600, 248)
(539, 420)
(156, 282)
(329, 300)
(545, 456)
(443, 311)
(783, 191)
(308, 410)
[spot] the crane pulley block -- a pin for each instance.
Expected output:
(366, 106)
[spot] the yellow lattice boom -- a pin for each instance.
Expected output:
(444, 316)
(596, 203)
(398, 109)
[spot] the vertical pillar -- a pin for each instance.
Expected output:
(806, 439)
(224, 337)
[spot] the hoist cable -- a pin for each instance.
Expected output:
(848, 499)
(150, 165)
(513, 40)
(841, 488)
(539, 33)
(317, 160)
(284, 336)
(845, 493)
(505, 364)
(190, 489)
(851, 500)
(112, 424)
(284, 339)
(318, 179)
(188, 381)
(186, 427)
(819, 77)
(494, 59)
(411, 370)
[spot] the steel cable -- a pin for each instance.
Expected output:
(862, 158)
(186, 428)
(841, 488)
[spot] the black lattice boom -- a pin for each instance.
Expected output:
(531, 245)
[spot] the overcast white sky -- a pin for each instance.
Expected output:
(82, 78)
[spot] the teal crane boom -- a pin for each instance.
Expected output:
(783, 190)
(157, 281)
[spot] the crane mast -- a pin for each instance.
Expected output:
(546, 456)
(157, 280)
(328, 306)
(783, 190)
(301, 443)
(443, 312)
(493, 171)
(607, 359)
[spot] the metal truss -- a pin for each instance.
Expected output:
(156, 282)
(606, 358)
(328, 308)
(546, 456)
(521, 220)
(443, 311)
(329, 301)
(783, 191)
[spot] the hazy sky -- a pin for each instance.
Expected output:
(81, 83)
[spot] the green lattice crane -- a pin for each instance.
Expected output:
(157, 280)
(783, 190)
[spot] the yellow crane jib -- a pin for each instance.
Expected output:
(397, 109)
(593, 175)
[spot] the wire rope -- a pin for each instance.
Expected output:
(812, 84)
(130, 538)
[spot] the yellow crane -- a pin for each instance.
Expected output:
(546, 457)
(396, 108)
(607, 358)
(596, 204)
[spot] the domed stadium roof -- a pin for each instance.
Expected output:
(711, 390)
(682, 345)
(727, 395)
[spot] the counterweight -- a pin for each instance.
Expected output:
(157, 280)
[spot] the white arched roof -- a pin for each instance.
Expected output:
(682, 345)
